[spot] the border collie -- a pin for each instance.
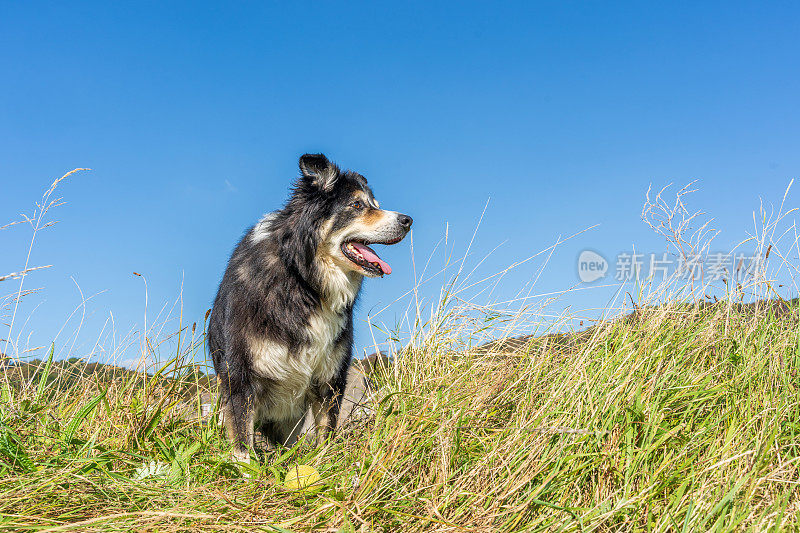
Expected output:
(281, 329)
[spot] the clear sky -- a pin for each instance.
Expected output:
(192, 116)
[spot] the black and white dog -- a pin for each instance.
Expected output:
(281, 329)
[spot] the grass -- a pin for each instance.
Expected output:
(684, 419)
(679, 417)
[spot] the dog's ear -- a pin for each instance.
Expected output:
(321, 172)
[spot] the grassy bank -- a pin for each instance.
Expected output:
(683, 418)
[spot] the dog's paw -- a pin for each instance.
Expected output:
(242, 460)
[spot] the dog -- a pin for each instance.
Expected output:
(281, 328)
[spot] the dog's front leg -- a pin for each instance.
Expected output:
(325, 409)
(325, 406)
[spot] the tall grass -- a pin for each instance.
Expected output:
(677, 417)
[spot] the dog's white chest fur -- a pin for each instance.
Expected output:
(291, 375)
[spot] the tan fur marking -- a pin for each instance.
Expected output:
(325, 230)
(373, 217)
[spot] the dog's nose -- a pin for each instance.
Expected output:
(405, 221)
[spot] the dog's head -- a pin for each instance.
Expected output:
(350, 218)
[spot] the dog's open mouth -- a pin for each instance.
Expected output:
(365, 257)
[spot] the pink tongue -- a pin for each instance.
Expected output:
(370, 256)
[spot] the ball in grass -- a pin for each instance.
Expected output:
(302, 477)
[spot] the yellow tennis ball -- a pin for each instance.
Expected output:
(301, 477)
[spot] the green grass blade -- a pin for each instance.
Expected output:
(80, 416)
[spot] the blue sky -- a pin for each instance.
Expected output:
(192, 116)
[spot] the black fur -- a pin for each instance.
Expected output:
(274, 287)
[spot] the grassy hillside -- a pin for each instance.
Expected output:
(677, 418)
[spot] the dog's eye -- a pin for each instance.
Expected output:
(357, 205)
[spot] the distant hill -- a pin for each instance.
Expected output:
(65, 375)
(568, 342)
